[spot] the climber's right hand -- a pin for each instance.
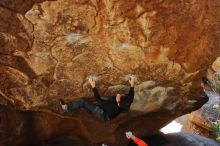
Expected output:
(92, 82)
(132, 80)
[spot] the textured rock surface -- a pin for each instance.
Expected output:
(189, 126)
(216, 65)
(50, 48)
(42, 129)
(209, 112)
(204, 116)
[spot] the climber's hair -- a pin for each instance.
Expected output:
(205, 81)
(125, 103)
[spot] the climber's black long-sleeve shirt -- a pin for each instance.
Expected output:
(110, 106)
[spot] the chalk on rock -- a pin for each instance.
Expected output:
(131, 76)
(124, 46)
(93, 78)
(90, 77)
(76, 38)
(108, 65)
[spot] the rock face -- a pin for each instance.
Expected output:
(199, 127)
(209, 112)
(205, 116)
(48, 49)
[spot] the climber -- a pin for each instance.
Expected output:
(104, 109)
(135, 139)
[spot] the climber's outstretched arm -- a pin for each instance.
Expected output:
(95, 91)
(131, 91)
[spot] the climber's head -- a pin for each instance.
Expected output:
(118, 97)
(123, 101)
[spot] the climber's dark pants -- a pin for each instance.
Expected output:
(90, 107)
